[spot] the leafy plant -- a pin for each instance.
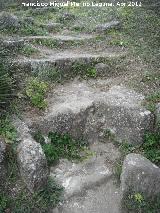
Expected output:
(36, 91)
(7, 130)
(61, 146)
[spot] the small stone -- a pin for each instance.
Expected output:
(140, 175)
(108, 26)
(9, 21)
(102, 69)
(29, 20)
(33, 164)
(52, 27)
(67, 17)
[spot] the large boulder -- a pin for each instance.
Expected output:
(33, 164)
(120, 112)
(2, 158)
(140, 176)
(9, 21)
(87, 112)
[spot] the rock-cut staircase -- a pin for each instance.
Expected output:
(88, 108)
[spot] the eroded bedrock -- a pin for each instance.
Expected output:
(81, 110)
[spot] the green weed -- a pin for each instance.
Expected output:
(42, 201)
(84, 70)
(26, 30)
(22, 200)
(118, 169)
(151, 101)
(110, 135)
(51, 43)
(36, 91)
(151, 77)
(7, 130)
(151, 147)
(50, 75)
(28, 50)
(138, 203)
(141, 30)
(61, 146)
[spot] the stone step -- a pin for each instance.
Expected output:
(60, 41)
(88, 179)
(77, 178)
(60, 37)
(68, 62)
(101, 199)
(81, 110)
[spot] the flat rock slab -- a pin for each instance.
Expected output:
(77, 178)
(81, 110)
(102, 199)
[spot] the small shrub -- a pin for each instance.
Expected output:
(36, 91)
